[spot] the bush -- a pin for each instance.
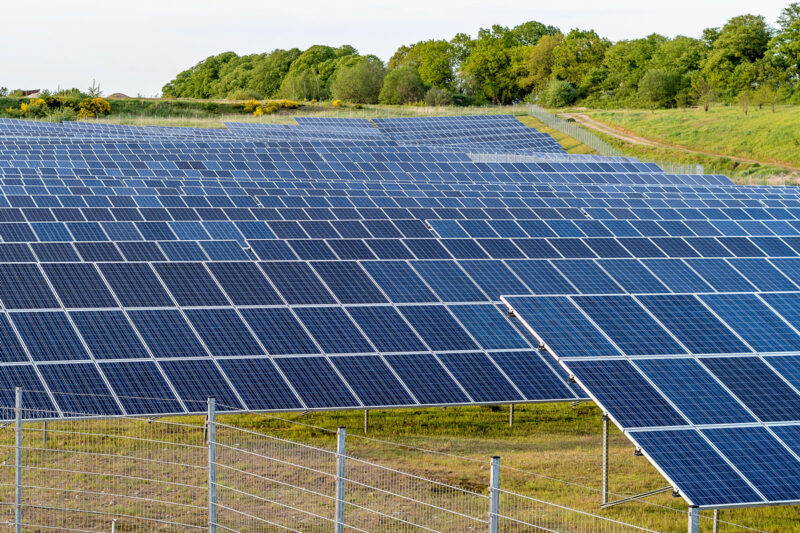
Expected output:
(559, 93)
(337, 103)
(63, 114)
(93, 107)
(250, 106)
(657, 89)
(245, 94)
(360, 83)
(436, 97)
(402, 86)
(288, 104)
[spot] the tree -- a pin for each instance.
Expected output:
(577, 54)
(732, 62)
(626, 62)
(268, 72)
(784, 48)
(401, 86)
(657, 89)
(529, 33)
(434, 60)
(540, 62)
(360, 82)
(559, 93)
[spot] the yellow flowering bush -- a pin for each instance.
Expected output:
(288, 104)
(337, 103)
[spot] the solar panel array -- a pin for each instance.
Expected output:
(360, 264)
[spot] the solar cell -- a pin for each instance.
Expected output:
(316, 382)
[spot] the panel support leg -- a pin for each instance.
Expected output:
(605, 460)
(694, 520)
(511, 415)
(366, 420)
(716, 520)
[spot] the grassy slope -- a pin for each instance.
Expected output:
(771, 138)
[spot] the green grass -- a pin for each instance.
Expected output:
(571, 145)
(770, 139)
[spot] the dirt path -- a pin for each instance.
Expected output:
(630, 137)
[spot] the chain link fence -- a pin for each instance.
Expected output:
(599, 145)
(209, 474)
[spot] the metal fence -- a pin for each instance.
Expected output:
(191, 474)
(600, 146)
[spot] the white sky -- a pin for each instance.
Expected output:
(136, 46)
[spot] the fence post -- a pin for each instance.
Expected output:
(605, 459)
(494, 495)
(212, 467)
(694, 520)
(338, 521)
(18, 462)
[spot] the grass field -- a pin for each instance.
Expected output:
(770, 138)
(557, 441)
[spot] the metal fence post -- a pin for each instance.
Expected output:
(716, 521)
(338, 521)
(694, 520)
(605, 459)
(18, 463)
(212, 467)
(494, 495)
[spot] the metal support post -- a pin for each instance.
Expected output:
(694, 520)
(212, 466)
(366, 420)
(716, 521)
(511, 415)
(494, 495)
(44, 434)
(341, 437)
(18, 462)
(605, 460)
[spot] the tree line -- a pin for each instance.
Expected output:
(746, 59)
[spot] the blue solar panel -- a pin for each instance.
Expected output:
(541, 277)
(449, 282)
(316, 381)
(166, 333)
(109, 335)
(399, 282)
(79, 390)
(279, 331)
(489, 327)
(703, 476)
(628, 325)
(22, 286)
(494, 278)
(223, 332)
(757, 324)
(757, 386)
(297, 283)
(372, 380)
(348, 282)
(474, 371)
(190, 284)
(427, 379)
(49, 336)
(79, 285)
(196, 380)
(708, 403)
(776, 474)
(587, 277)
(260, 384)
(244, 283)
(563, 327)
(386, 329)
(141, 388)
(621, 389)
(693, 324)
(438, 328)
(333, 330)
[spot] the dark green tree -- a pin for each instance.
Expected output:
(359, 82)
(401, 86)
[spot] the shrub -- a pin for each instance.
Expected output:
(402, 86)
(63, 114)
(436, 97)
(288, 104)
(250, 106)
(658, 89)
(559, 93)
(360, 83)
(93, 107)
(244, 94)
(337, 103)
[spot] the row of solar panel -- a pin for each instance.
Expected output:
(222, 283)
(287, 383)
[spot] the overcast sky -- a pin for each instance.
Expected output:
(136, 46)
